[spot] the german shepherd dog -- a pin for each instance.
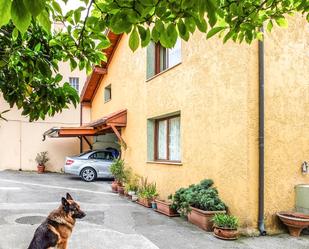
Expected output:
(55, 231)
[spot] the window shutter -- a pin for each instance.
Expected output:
(151, 60)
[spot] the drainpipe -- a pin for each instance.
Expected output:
(261, 225)
(81, 123)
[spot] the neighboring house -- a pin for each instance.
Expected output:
(21, 140)
(192, 112)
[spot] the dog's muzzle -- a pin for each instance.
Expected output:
(80, 215)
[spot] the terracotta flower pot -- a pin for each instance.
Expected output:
(145, 202)
(41, 169)
(165, 208)
(120, 190)
(115, 186)
(225, 233)
(295, 222)
(203, 219)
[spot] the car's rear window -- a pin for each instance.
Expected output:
(84, 153)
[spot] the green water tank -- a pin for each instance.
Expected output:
(302, 198)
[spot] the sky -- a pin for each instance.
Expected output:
(72, 4)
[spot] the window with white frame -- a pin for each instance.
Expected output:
(74, 82)
(160, 59)
(167, 139)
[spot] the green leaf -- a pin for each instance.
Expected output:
(282, 22)
(15, 34)
(21, 17)
(37, 47)
(228, 36)
(144, 35)
(44, 68)
(5, 10)
(211, 12)
(103, 44)
(77, 15)
(73, 64)
(214, 31)
(56, 7)
(201, 24)
(119, 23)
(134, 40)
(270, 26)
(35, 7)
(190, 24)
(182, 30)
(44, 21)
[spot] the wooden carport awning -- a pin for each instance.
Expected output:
(108, 124)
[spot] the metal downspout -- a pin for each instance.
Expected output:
(81, 123)
(261, 225)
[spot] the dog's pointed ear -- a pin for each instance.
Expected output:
(69, 197)
(64, 201)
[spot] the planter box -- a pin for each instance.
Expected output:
(114, 187)
(203, 219)
(225, 233)
(144, 202)
(120, 190)
(165, 208)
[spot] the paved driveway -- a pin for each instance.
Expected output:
(111, 222)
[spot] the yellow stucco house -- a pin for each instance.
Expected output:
(192, 112)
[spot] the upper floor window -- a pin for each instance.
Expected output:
(74, 82)
(108, 93)
(160, 58)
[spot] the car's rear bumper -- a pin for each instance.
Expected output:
(71, 170)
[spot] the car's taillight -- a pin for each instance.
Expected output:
(69, 162)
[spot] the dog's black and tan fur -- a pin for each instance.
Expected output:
(55, 231)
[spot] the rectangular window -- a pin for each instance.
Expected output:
(108, 93)
(167, 139)
(74, 82)
(160, 59)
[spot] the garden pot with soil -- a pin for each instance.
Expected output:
(41, 169)
(225, 226)
(120, 190)
(144, 202)
(165, 208)
(203, 219)
(115, 186)
(41, 159)
(225, 233)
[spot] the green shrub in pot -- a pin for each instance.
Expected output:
(202, 196)
(118, 171)
(225, 221)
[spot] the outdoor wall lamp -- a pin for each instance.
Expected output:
(305, 167)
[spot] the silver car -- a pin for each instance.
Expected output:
(90, 165)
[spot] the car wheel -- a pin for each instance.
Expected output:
(88, 174)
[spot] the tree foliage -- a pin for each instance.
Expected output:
(30, 51)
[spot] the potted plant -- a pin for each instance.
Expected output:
(200, 202)
(131, 184)
(225, 226)
(146, 192)
(166, 207)
(117, 169)
(41, 159)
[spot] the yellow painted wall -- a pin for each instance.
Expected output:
(216, 90)
(287, 115)
(21, 140)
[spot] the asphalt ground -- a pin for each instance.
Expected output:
(112, 222)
